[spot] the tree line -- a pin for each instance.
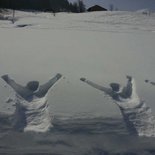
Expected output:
(44, 5)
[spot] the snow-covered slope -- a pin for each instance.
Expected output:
(96, 21)
(101, 46)
(104, 46)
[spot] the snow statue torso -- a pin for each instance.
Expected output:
(32, 115)
(137, 115)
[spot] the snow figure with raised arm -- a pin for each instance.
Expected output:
(137, 116)
(31, 113)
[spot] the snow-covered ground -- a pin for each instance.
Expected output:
(102, 46)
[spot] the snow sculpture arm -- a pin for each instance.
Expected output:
(127, 90)
(45, 87)
(104, 89)
(153, 83)
(22, 91)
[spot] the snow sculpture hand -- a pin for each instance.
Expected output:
(129, 77)
(83, 79)
(58, 76)
(5, 77)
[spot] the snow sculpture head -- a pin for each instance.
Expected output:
(32, 85)
(115, 87)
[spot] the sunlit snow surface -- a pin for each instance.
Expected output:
(102, 46)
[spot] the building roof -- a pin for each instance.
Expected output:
(96, 8)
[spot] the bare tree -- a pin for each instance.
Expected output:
(81, 6)
(13, 16)
(111, 7)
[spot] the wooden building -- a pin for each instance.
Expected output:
(96, 8)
